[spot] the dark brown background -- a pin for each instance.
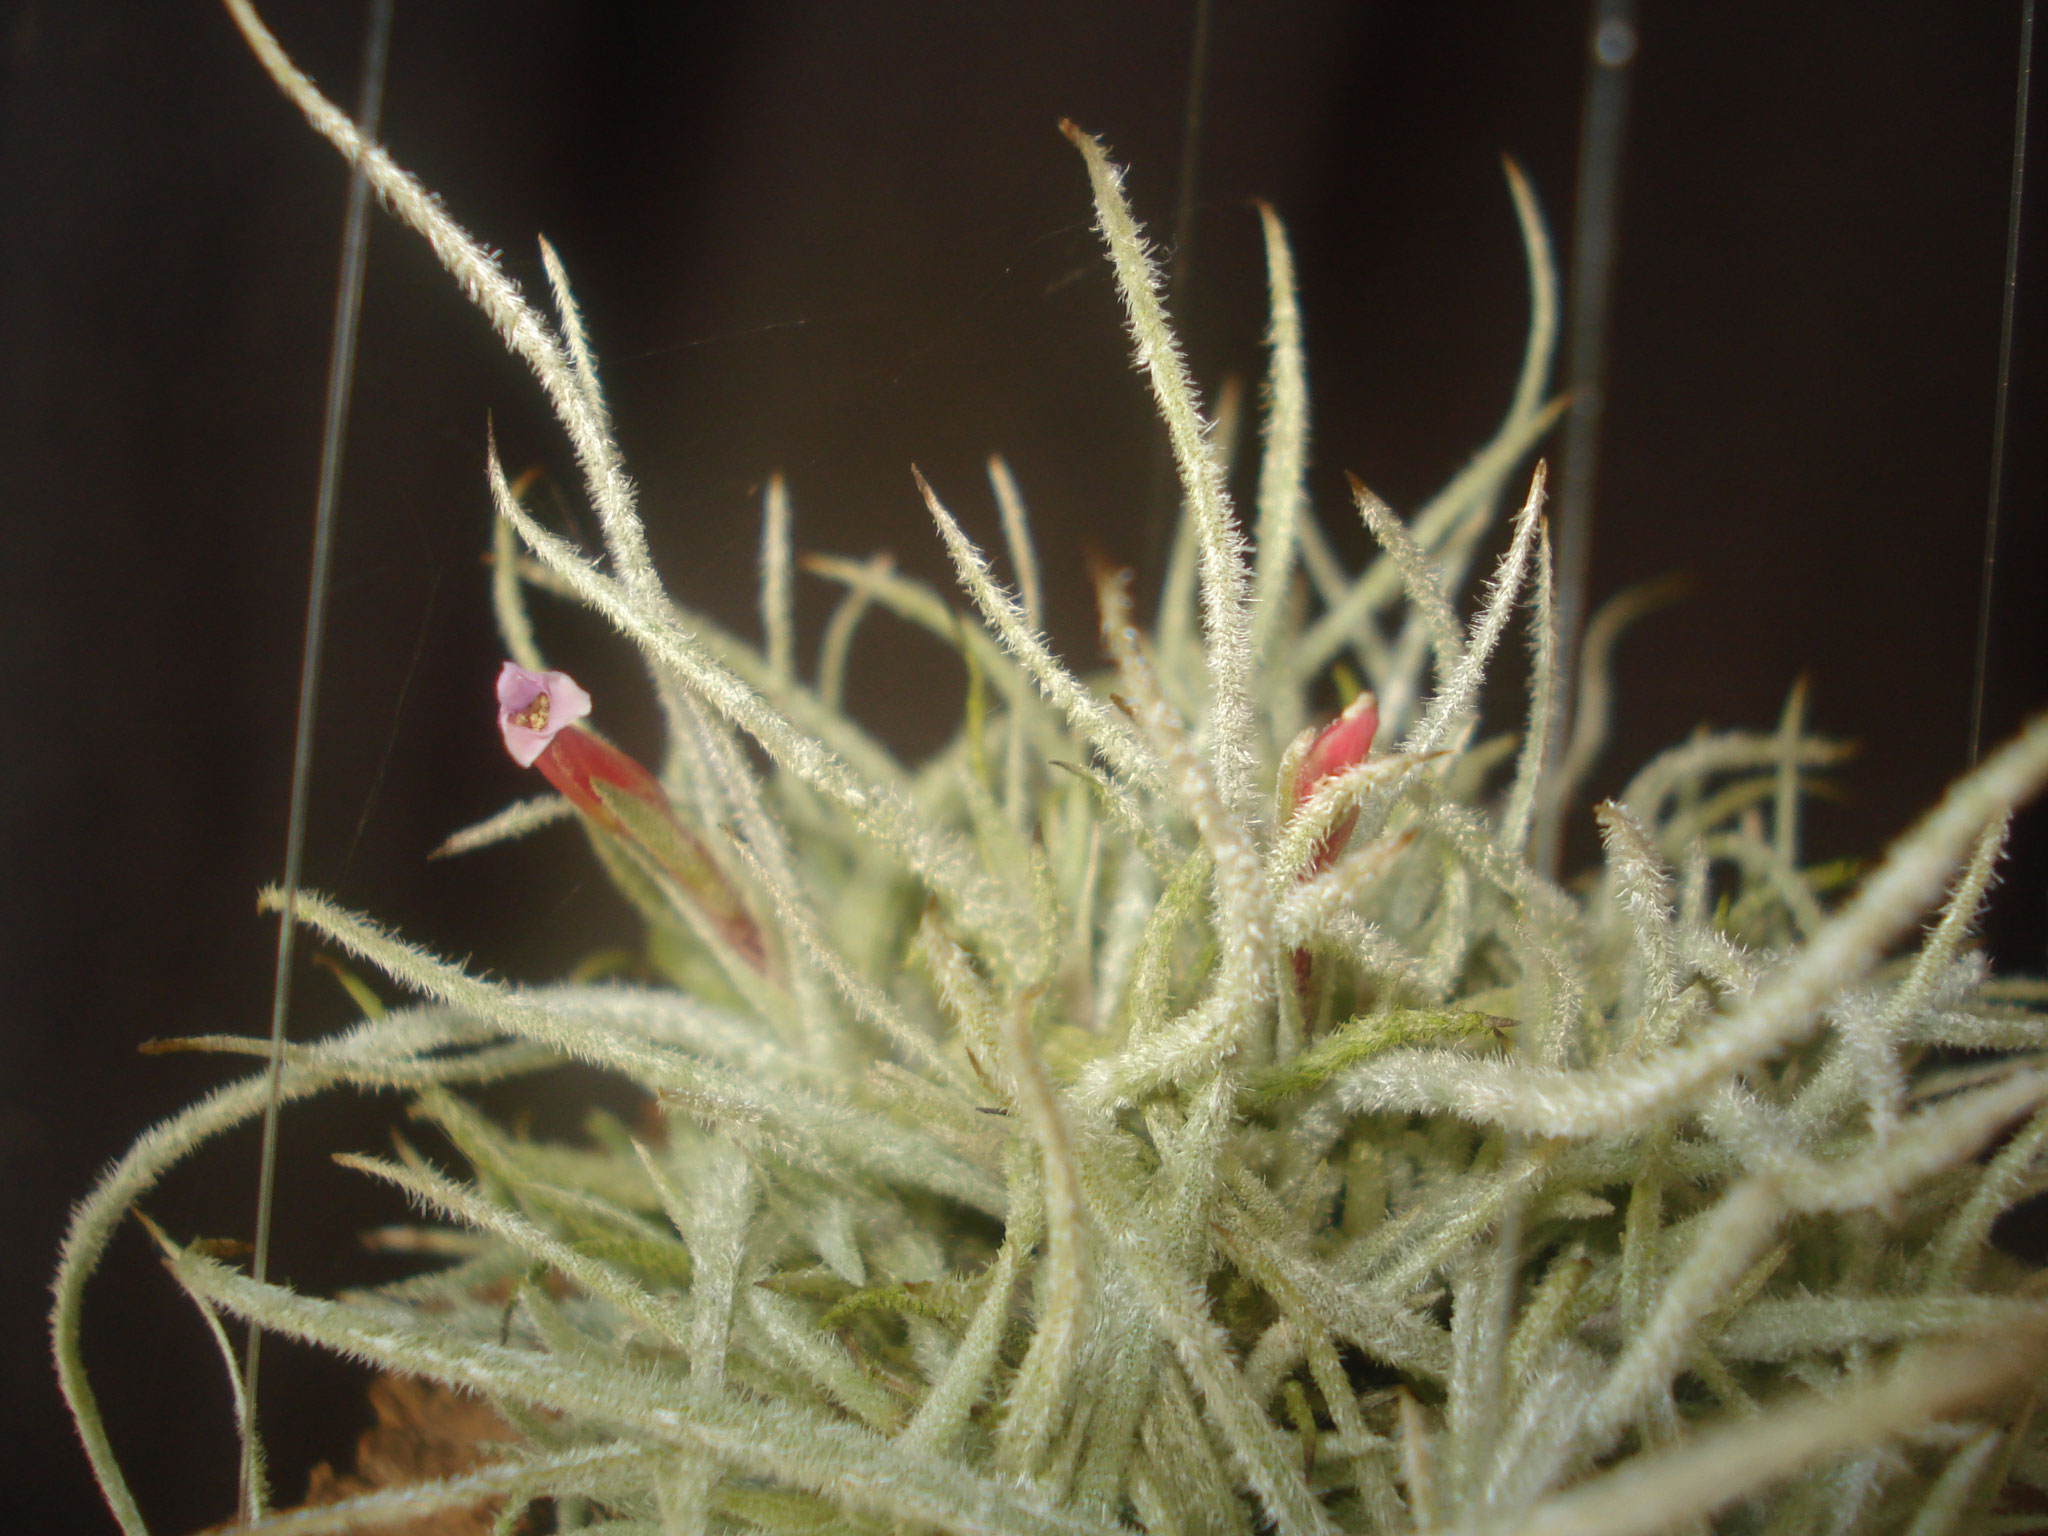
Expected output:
(839, 239)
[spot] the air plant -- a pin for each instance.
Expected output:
(1164, 1110)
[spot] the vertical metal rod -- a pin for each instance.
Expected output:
(1603, 119)
(348, 300)
(2012, 282)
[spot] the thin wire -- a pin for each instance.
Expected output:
(348, 303)
(1602, 121)
(1164, 501)
(412, 668)
(2012, 284)
(1190, 150)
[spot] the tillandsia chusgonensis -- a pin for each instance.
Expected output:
(1170, 1109)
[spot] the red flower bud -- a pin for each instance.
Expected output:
(609, 789)
(1341, 744)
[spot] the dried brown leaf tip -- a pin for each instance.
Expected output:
(423, 1432)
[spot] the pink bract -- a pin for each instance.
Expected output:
(1340, 745)
(533, 707)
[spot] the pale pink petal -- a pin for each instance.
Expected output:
(533, 706)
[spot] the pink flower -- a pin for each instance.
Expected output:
(533, 707)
